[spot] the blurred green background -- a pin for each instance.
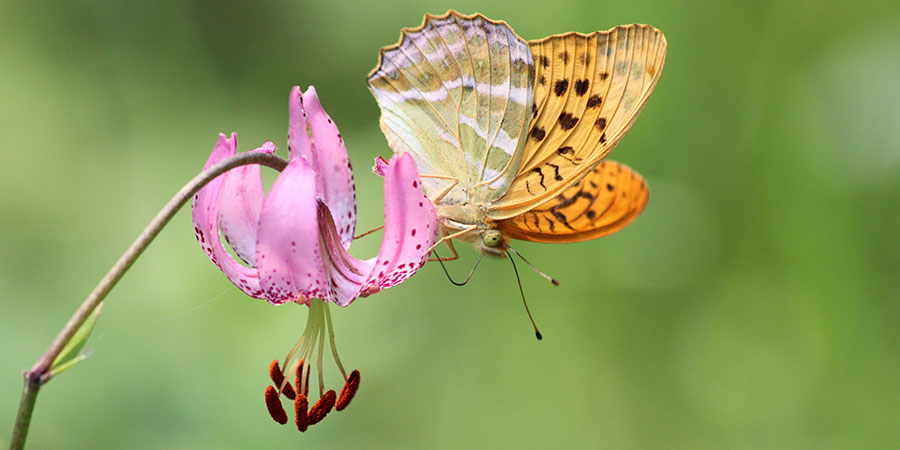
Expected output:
(754, 304)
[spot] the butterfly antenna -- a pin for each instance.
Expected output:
(537, 332)
(452, 281)
(548, 277)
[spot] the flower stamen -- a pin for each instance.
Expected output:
(348, 391)
(273, 403)
(319, 364)
(278, 378)
(298, 377)
(337, 359)
(297, 362)
(321, 408)
(301, 417)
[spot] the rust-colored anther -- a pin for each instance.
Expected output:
(278, 378)
(322, 408)
(348, 391)
(273, 403)
(301, 404)
(298, 377)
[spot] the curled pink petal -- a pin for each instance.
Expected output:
(410, 227)
(205, 214)
(332, 166)
(347, 273)
(380, 167)
(299, 142)
(240, 201)
(288, 254)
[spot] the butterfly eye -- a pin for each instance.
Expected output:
(492, 238)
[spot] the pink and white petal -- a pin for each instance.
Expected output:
(205, 214)
(240, 201)
(332, 166)
(348, 274)
(288, 250)
(381, 166)
(410, 227)
(299, 142)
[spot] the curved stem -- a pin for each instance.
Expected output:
(23, 418)
(38, 375)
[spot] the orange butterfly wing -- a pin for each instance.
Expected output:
(588, 91)
(606, 200)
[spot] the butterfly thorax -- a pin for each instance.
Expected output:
(485, 236)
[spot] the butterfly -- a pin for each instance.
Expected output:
(510, 136)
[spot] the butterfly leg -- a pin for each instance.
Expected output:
(368, 232)
(452, 250)
(452, 236)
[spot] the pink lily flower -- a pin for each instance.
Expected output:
(293, 242)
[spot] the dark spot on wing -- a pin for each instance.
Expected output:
(538, 171)
(556, 172)
(545, 61)
(525, 222)
(564, 202)
(538, 133)
(604, 76)
(609, 187)
(565, 57)
(543, 80)
(603, 137)
(594, 101)
(581, 87)
(600, 123)
(565, 151)
(562, 218)
(567, 121)
(560, 87)
(591, 214)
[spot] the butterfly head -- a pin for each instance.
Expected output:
(469, 223)
(492, 238)
(491, 242)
